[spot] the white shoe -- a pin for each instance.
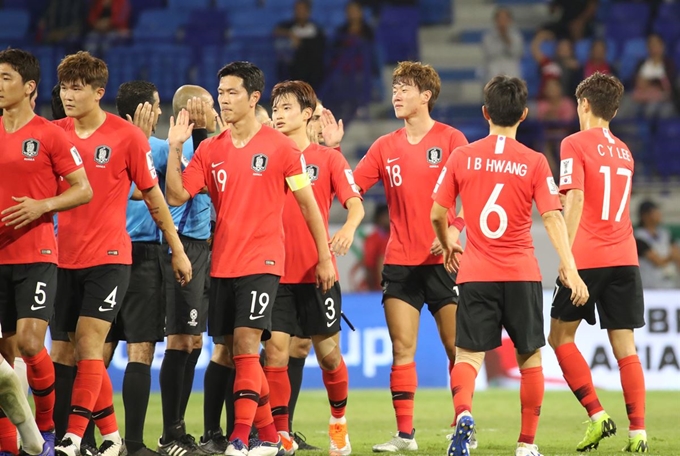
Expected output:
(236, 448)
(111, 448)
(526, 449)
(261, 448)
(66, 447)
(397, 444)
(473, 440)
(339, 438)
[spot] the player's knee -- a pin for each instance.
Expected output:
(222, 356)
(623, 343)
(181, 342)
(247, 342)
(276, 354)
(198, 341)
(63, 353)
(30, 345)
(403, 349)
(141, 352)
(332, 360)
(475, 359)
(300, 348)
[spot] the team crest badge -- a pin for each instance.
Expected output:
(434, 155)
(259, 163)
(313, 172)
(30, 148)
(102, 155)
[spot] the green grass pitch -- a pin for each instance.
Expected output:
(371, 420)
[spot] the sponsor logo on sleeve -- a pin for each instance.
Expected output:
(552, 187)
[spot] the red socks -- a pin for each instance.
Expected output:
(633, 384)
(103, 413)
(86, 388)
(337, 385)
(247, 387)
(40, 372)
(403, 384)
(531, 390)
(278, 384)
(263, 421)
(8, 435)
(463, 377)
(577, 374)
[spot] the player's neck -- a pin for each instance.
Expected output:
(16, 117)
(594, 122)
(508, 132)
(243, 130)
(300, 138)
(418, 126)
(89, 123)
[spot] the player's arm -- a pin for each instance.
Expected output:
(456, 227)
(573, 209)
(367, 172)
(179, 132)
(136, 194)
(342, 240)
(440, 223)
(28, 210)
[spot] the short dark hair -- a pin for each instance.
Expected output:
(645, 208)
(423, 76)
(57, 105)
(131, 94)
(24, 63)
(603, 92)
(505, 99)
(83, 67)
(300, 90)
(252, 76)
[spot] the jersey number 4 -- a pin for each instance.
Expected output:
(607, 173)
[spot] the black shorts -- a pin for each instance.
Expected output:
(142, 316)
(186, 307)
(615, 291)
(417, 285)
(302, 310)
(242, 302)
(55, 333)
(26, 291)
(485, 308)
(96, 292)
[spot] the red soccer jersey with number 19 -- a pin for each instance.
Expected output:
(409, 173)
(248, 187)
(330, 175)
(115, 155)
(31, 160)
(601, 165)
(498, 180)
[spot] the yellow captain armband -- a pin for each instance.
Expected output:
(298, 182)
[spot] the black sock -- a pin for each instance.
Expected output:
(295, 368)
(63, 388)
(189, 371)
(214, 394)
(229, 401)
(88, 437)
(171, 381)
(136, 391)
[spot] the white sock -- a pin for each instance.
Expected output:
(465, 413)
(114, 437)
(74, 438)
(335, 420)
(596, 416)
(632, 434)
(13, 402)
(20, 369)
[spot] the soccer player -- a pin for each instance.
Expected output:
(94, 264)
(498, 179)
(34, 153)
(300, 308)
(408, 161)
(595, 177)
(249, 164)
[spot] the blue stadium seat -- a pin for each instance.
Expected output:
(14, 24)
(664, 147)
(188, 5)
(398, 32)
(633, 51)
(142, 5)
(124, 64)
(49, 58)
(626, 12)
(251, 23)
(435, 12)
(667, 23)
(212, 59)
(622, 31)
(262, 53)
(582, 50)
(206, 27)
(160, 25)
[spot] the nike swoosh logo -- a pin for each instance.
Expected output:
(103, 309)
(390, 160)
(215, 165)
(252, 317)
(331, 323)
(33, 307)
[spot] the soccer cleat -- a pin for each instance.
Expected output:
(184, 446)
(236, 448)
(288, 444)
(216, 443)
(262, 448)
(88, 450)
(460, 439)
(50, 438)
(473, 440)
(302, 444)
(526, 449)
(66, 447)
(637, 444)
(400, 442)
(339, 445)
(597, 430)
(111, 448)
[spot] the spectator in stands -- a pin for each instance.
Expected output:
(655, 79)
(576, 18)
(563, 66)
(302, 45)
(63, 24)
(559, 112)
(503, 46)
(659, 257)
(597, 60)
(355, 28)
(374, 248)
(108, 22)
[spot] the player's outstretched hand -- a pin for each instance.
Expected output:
(436, 248)
(180, 131)
(451, 261)
(182, 267)
(27, 211)
(332, 130)
(342, 241)
(570, 279)
(198, 111)
(144, 118)
(325, 275)
(220, 122)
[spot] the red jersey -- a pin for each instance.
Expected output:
(374, 250)
(32, 159)
(248, 188)
(498, 180)
(409, 173)
(330, 175)
(600, 164)
(115, 155)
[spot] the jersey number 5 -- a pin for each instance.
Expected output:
(606, 171)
